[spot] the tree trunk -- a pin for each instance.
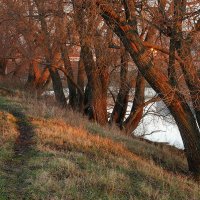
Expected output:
(57, 83)
(175, 102)
(190, 134)
(119, 110)
(33, 76)
(136, 114)
(3, 64)
(80, 82)
(57, 87)
(43, 82)
(171, 68)
(43, 78)
(70, 77)
(183, 47)
(97, 92)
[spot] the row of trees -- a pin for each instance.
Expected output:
(137, 41)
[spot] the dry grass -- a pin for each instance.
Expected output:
(72, 163)
(76, 159)
(8, 128)
(58, 136)
(61, 136)
(45, 108)
(169, 158)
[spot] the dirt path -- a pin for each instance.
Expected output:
(16, 169)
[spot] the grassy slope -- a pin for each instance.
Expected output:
(68, 157)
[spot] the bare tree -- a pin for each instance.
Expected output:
(175, 101)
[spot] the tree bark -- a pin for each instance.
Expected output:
(131, 123)
(81, 83)
(33, 76)
(159, 82)
(61, 27)
(3, 64)
(57, 83)
(57, 87)
(183, 47)
(120, 107)
(69, 71)
(96, 72)
(97, 97)
(43, 81)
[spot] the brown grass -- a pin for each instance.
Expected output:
(8, 127)
(76, 159)
(56, 136)
(45, 108)
(78, 162)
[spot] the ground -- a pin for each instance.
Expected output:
(44, 155)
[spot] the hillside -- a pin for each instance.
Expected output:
(48, 153)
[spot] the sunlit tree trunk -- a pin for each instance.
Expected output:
(96, 91)
(33, 76)
(43, 81)
(173, 99)
(96, 72)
